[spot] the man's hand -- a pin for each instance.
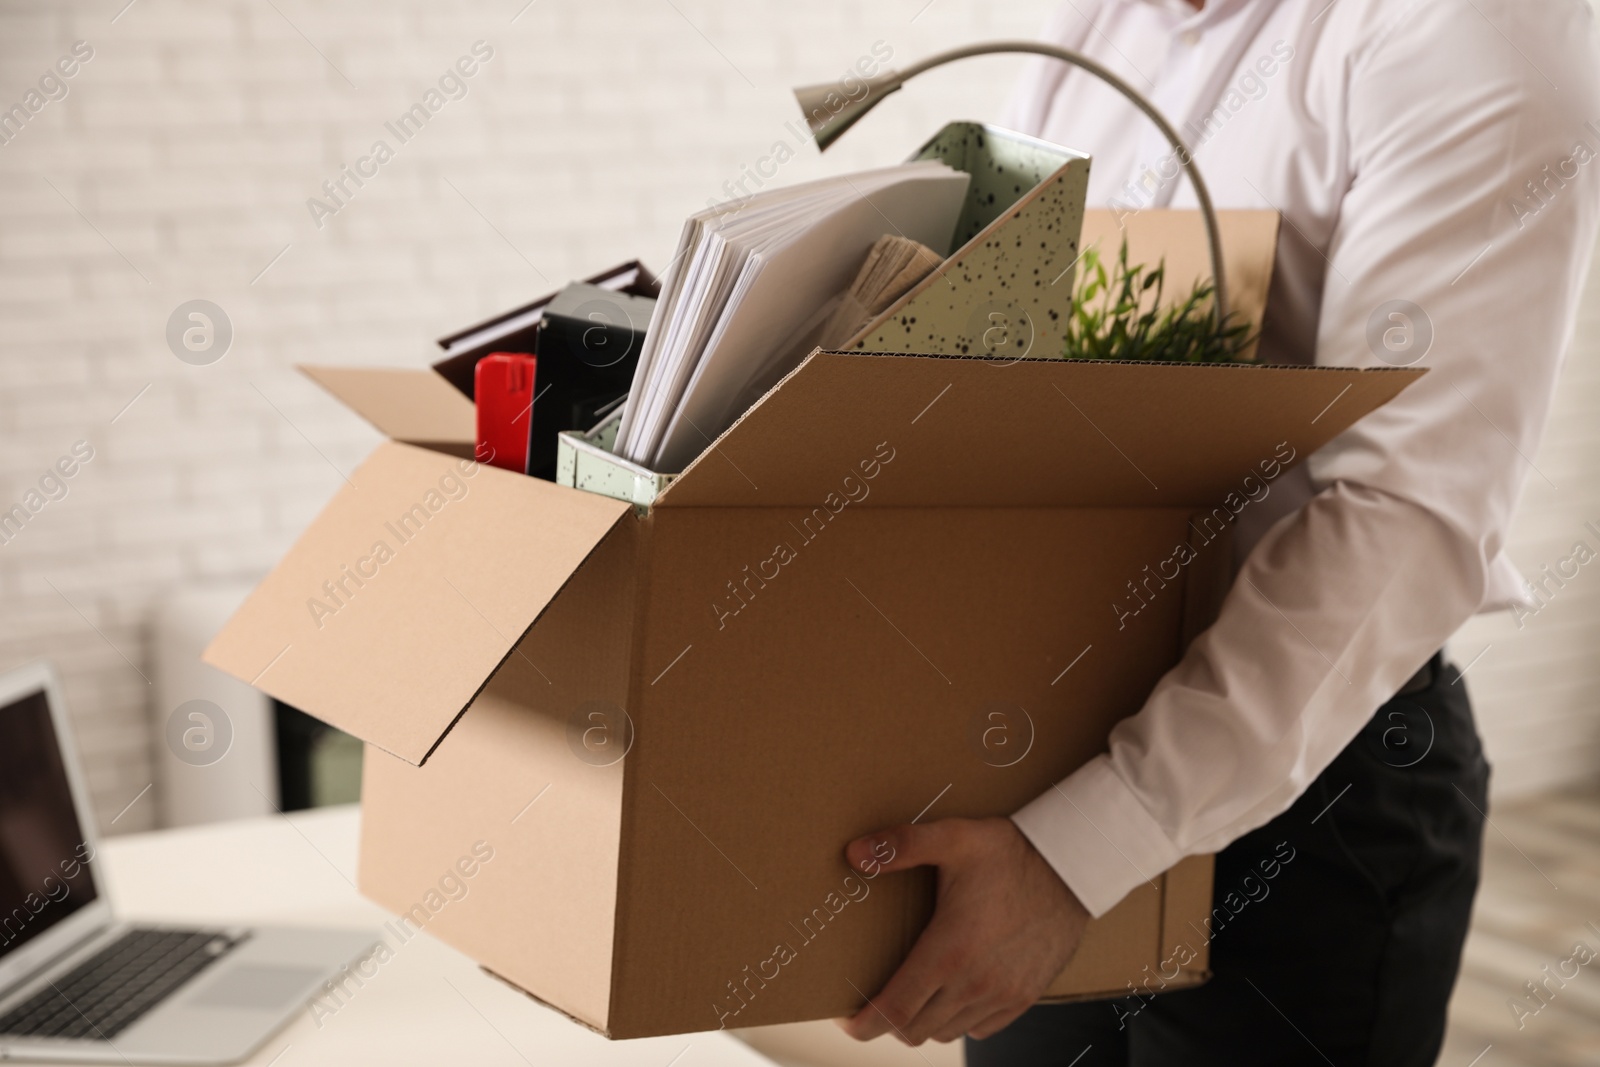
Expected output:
(1003, 927)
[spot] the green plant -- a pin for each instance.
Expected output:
(1119, 315)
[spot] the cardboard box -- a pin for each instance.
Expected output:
(618, 739)
(802, 639)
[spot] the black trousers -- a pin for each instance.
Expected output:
(1347, 952)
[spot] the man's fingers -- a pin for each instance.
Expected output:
(996, 1022)
(866, 1024)
(966, 1019)
(902, 847)
(1004, 924)
(948, 1012)
(892, 1010)
(928, 966)
(897, 849)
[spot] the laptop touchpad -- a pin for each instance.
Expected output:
(257, 987)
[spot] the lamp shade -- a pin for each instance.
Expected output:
(830, 111)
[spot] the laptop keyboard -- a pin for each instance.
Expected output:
(108, 992)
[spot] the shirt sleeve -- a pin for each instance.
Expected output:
(1474, 200)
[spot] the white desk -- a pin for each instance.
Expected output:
(428, 1005)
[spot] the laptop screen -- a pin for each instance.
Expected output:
(44, 858)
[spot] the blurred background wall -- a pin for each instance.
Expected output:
(179, 163)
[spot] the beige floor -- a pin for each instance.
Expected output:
(1541, 887)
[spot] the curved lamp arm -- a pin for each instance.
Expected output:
(828, 123)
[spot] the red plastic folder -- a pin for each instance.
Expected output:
(503, 393)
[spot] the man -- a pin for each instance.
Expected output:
(1436, 165)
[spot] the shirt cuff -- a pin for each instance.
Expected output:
(1103, 856)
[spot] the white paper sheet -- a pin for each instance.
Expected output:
(748, 286)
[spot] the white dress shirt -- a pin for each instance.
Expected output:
(1445, 153)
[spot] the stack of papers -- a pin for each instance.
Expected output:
(752, 286)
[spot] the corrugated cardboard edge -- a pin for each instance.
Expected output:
(631, 786)
(503, 980)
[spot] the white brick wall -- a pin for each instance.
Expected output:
(191, 141)
(1537, 683)
(179, 164)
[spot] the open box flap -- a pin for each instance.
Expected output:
(408, 404)
(407, 591)
(964, 431)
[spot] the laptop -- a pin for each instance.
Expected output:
(76, 984)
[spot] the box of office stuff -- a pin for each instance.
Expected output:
(617, 739)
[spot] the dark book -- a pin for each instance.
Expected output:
(588, 345)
